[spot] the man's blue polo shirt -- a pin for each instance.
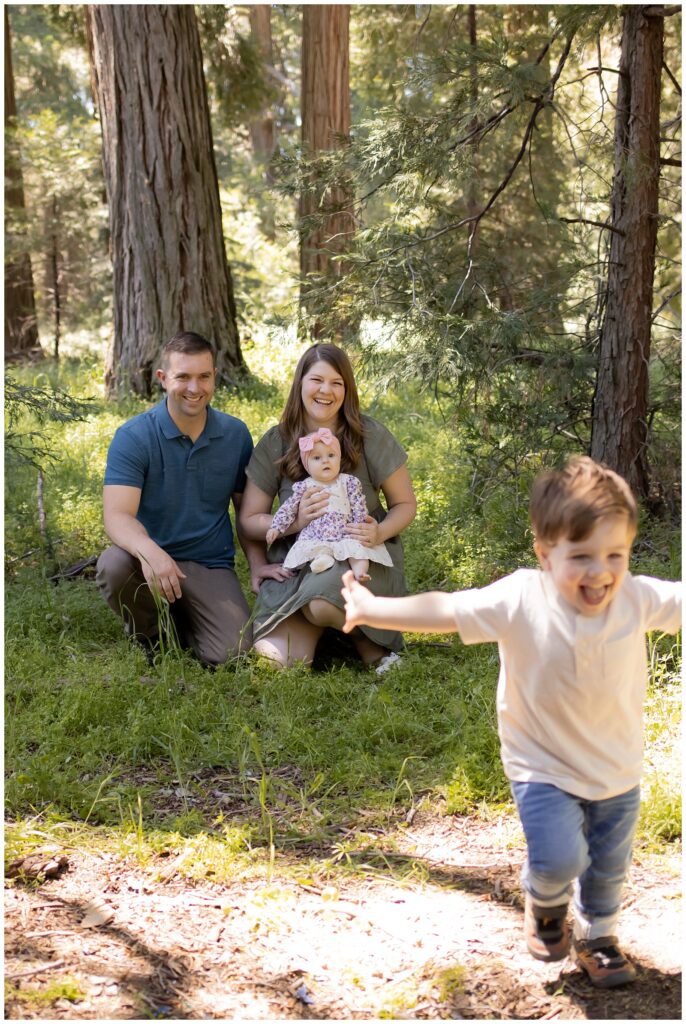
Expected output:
(185, 487)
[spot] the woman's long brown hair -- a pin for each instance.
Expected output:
(350, 431)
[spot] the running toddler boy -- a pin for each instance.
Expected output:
(572, 684)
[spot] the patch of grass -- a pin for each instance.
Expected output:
(661, 804)
(400, 1002)
(246, 764)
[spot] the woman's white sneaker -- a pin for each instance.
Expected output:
(387, 662)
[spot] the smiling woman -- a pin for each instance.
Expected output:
(294, 608)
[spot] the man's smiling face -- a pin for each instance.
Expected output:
(188, 379)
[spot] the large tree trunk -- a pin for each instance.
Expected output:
(21, 327)
(325, 108)
(620, 430)
(168, 257)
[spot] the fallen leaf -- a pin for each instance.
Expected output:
(48, 864)
(98, 913)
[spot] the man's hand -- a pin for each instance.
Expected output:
(268, 572)
(120, 506)
(162, 574)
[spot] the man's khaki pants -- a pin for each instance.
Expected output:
(210, 616)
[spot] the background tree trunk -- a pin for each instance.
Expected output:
(168, 257)
(325, 115)
(619, 428)
(21, 326)
(472, 195)
(53, 270)
(263, 129)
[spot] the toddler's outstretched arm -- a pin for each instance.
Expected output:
(422, 613)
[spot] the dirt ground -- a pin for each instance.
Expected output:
(108, 939)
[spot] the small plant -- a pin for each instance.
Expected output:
(450, 982)
(37, 997)
(267, 819)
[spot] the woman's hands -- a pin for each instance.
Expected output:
(274, 571)
(313, 504)
(367, 532)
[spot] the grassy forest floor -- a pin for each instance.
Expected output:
(427, 926)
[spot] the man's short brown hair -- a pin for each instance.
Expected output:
(189, 344)
(569, 502)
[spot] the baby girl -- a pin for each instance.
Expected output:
(323, 541)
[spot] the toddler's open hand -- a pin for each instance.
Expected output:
(355, 597)
(272, 535)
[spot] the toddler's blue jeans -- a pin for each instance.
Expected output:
(579, 846)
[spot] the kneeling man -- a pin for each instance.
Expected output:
(171, 473)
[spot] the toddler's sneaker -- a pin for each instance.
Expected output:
(603, 962)
(546, 931)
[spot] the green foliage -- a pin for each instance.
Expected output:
(60, 146)
(41, 405)
(46, 995)
(514, 135)
(49, 60)
(237, 72)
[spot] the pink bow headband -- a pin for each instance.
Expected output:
(307, 443)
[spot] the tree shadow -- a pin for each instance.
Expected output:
(655, 995)
(154, 982)
(160, 977)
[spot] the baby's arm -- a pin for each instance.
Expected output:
(358, 503)
(285, 514)
(421, 613)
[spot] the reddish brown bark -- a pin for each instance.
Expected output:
(620, 429)
(263, 129)
(325, 119)
(169, 263)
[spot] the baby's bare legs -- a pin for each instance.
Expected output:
(360, 568)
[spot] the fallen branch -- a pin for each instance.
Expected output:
(36, 970)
